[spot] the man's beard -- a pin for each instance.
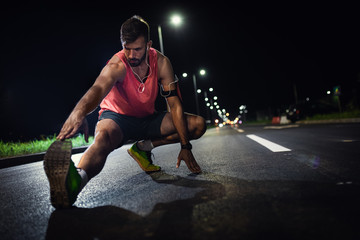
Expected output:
(134, 62)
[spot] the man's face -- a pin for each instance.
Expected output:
(135, 52)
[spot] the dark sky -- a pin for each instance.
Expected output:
(253, 55)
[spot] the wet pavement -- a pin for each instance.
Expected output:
(245, 191)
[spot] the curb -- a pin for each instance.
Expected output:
(15, 161)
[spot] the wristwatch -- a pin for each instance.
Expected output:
(187, 146)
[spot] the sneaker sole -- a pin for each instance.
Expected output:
(56, 165)
(140, 163)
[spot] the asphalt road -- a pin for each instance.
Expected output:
(246, 191)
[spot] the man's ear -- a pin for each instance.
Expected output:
(148, 45)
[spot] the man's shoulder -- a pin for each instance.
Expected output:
(116, 62)
(161, 58)
(116, 68)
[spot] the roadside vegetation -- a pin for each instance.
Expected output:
(338, 115)
(11, 149)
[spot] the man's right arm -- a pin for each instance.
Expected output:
(114, 71)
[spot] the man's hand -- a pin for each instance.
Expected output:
(72, 125)
(189, 159)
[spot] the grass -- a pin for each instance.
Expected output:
(11, 149)
(345, 114)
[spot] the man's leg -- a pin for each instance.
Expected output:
(65, 180)
(141, 150)
(196, 127)
(108, 136)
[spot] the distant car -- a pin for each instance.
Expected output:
(293, 113)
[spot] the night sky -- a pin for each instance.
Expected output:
(253, 55)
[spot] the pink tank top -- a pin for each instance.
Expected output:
(126, 97)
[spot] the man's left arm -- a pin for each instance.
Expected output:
(177, 114)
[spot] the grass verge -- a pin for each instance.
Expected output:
(12, 149)
(345, 114)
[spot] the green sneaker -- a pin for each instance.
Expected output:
(62, 174)
(143, 158)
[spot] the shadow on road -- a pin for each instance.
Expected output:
(226, 208)
(108, 222)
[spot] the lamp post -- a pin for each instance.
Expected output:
(176, 20)
(202, 72)
(196, 98)
(160, 39)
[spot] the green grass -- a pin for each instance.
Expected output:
(11, 149)
(345, 114)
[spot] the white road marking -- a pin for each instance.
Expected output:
(268, 144)
(282, 127)
(237, 129)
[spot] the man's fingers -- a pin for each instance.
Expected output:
(178, 163)
(86, 130)
(67, 133)
(87, 137)
(189, 161)
(195, 168)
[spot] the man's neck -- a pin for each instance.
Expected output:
(142, 70)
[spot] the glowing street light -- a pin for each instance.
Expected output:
(197, 91)
(176, 20)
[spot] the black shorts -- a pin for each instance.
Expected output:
(135, 128)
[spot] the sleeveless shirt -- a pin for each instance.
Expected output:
(126, 97)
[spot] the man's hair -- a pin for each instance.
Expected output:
(133, 28)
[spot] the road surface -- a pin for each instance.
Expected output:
(258, 182)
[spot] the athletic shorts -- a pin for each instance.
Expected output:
(135, 128)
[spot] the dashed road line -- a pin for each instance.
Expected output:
(282, 127)
(268, 144)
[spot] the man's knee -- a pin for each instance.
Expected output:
(105, 143)
(108, 135)
(200, 127)
(102, 140)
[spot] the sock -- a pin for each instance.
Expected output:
(145, 145)
(84, 178)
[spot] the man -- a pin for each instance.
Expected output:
(126, 90)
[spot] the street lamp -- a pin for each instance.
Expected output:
(176, 20)
(196, 90)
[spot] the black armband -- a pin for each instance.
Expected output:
(169, 93)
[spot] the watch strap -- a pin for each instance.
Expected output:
(187, 146)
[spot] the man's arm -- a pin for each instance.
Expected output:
(166, 75)
(114, 71)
